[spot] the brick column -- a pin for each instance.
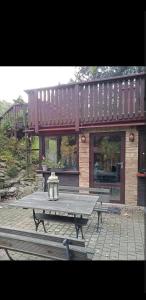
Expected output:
(84, 161)
(131, 168)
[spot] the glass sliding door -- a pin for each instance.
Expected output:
(107, 164)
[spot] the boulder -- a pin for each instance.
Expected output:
(3, 192)
(11, 182)
(11, 191)
(25, 183)
(2, 174)
(2, 164)
(24, 191)
(1, 183)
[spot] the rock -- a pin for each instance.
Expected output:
(3, 160)
(3, 192)
(3, 164)
(7, 177)
(126, 215)
(28, 179)
(2, 174)
(21, 189)
(22, 173)
(22, 182)
(1, 182)
(24, 191)
(11, 182)
(12, 191)
(17, 180)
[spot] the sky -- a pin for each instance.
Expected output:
(14, 80)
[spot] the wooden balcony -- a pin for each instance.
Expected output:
(15, 116)
(118, 100)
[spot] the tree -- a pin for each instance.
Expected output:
(19, 100)
(4, 105)
(94, 72)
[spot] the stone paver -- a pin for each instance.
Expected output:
(120, 237)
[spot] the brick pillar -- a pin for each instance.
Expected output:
(84, 161)
(131, 168)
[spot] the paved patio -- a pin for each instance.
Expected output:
(120, 237)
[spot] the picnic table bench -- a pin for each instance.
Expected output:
(53, 247)
(77, 221)
(99, 209)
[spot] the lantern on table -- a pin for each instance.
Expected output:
(53, 183)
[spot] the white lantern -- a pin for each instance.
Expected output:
(53, 191)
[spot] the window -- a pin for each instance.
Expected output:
(62, 151)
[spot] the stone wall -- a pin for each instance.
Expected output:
(16, 187)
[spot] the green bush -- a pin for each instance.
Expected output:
(12, 171)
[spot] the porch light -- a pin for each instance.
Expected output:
(53, 191)
(131, 137)
(83, 139)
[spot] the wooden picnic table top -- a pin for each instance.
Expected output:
(67, 202)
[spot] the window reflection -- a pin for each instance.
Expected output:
(62, 151)
(107, 158)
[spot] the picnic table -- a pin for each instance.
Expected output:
(74, 205)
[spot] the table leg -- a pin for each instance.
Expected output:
(10, 257)
(78, 227)
(37, 222)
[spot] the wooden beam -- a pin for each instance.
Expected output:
(113, 125)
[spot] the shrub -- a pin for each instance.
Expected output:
(12, 171)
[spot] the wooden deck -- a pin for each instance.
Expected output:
(101, 102)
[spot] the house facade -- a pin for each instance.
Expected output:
(95, 133)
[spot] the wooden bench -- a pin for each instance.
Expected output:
(106, 210)
(53, 247)
(85, 190)
(39, 218)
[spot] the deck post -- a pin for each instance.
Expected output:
(77, 107)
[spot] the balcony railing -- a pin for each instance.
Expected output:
(106, 101)
(15, 116)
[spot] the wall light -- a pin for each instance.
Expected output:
(131, 137)
(83, 139)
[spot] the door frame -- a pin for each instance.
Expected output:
(122, 174)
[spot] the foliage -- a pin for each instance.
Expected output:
(4, 105)
(6, 125)
(19, 100)
(11, 120)
(68, 150)
(51, 164)
(35, 150)
(12, 151)
(35, 142)
(94, 72)
(109, 150)
(12, 171)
